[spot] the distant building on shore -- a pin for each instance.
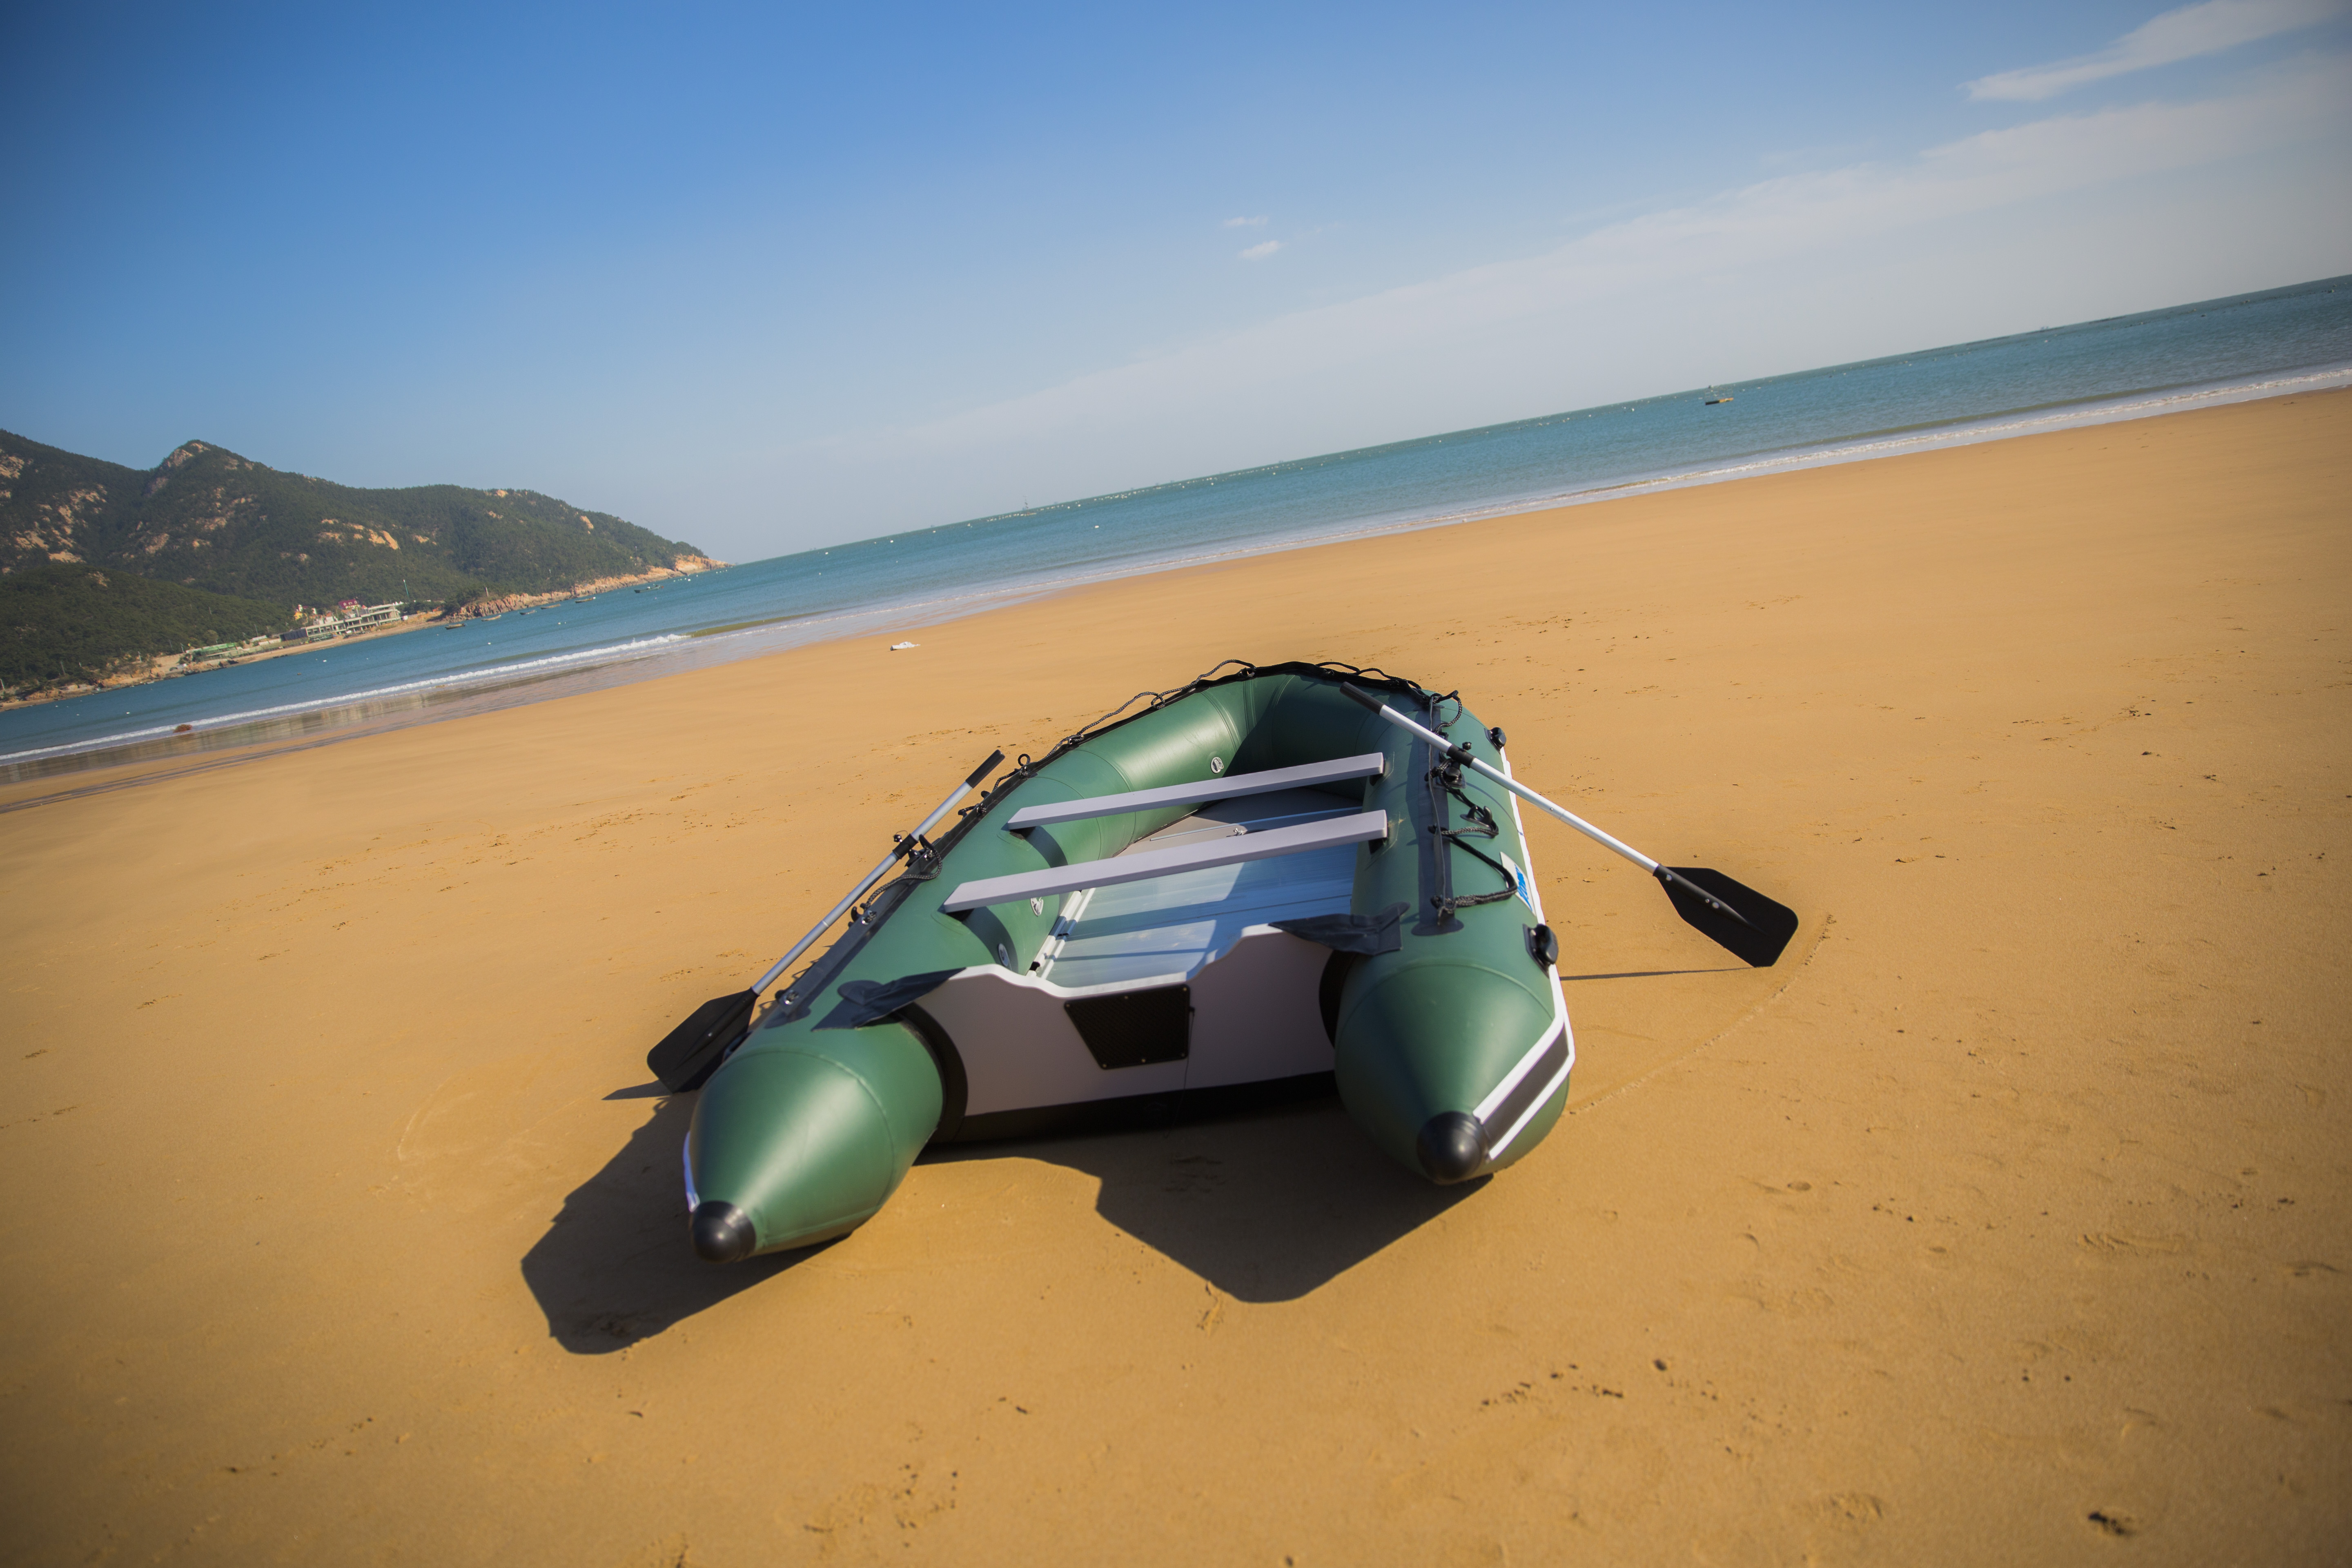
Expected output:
(356, 617)
(220, 651)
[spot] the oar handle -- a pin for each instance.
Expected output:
(1460, 753)
(904, 846)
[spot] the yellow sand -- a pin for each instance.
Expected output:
(2006, 1217)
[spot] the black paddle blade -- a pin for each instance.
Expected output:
(689, 1053)
(1735, 916)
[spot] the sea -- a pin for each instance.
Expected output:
(2125, 367)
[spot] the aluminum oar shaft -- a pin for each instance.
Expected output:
(1456, 750)
(899, 851)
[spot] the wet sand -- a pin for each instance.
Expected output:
(2005, 1220)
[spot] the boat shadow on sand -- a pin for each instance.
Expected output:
(615, 1266)
(1267, 1207)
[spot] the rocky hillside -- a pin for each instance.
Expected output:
(62, 623)
(206, 518)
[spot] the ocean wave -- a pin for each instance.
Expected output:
(1823, 454)
(931, 604)
(950, 606)
(1982, 429)
(608, 653)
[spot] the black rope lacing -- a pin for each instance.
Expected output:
(1447, 775)
(1242, 670)
(803, 987)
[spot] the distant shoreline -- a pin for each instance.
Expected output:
(175, 666)
(73, 757)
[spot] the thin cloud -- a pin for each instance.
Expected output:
(1245, 223)
(1259, 252)
(1506, 314)
(2182, 35)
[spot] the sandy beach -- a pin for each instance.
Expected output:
(2005, 1220)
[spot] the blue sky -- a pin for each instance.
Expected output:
(765, 277)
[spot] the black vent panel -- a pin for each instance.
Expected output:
(1137, 1028)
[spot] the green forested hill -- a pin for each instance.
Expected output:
(208, 519)
(59, 621)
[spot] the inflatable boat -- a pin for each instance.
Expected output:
(1272, 880)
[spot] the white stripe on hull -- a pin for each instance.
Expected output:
(1559, 1025)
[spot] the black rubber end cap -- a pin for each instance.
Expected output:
(723, 1233)
(1451, 1146)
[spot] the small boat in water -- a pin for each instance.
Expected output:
(1281, 879)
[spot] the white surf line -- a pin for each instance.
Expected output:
(611, 652)
(1967, 432)
(1992, 428)
(956, 605)
(952, 606)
